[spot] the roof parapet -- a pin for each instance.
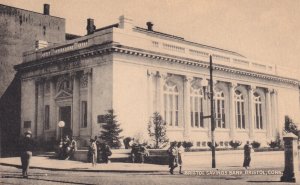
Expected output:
(125, 23)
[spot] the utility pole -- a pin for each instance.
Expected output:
(212, 115)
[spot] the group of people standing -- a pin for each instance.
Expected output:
(101, 152)
(175, 153)
(98, 152)
(67, 148)
(138, 153)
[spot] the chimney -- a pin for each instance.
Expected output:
(46, 9)
(125, 23)
(90, 26)
(150, 26)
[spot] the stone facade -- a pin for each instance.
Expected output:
(137, 72)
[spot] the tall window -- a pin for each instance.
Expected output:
(258, 111)
(84, 114)
(171, 104)
(220, 109)
(239, 110)
(196, 102)
(47, 118)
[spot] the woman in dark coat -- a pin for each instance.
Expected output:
(105, 153)
(173, 154)
(26, 146)
(247, 155)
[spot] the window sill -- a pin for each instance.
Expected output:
(222, 129)
(83, 128)
(260, 130)
(242, 130)
(199, 129)
(175, 128)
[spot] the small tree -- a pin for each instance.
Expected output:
(289, 126)
(157, 131)
(111, 130)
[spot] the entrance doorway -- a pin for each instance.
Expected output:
(65, 115)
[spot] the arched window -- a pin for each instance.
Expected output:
(196, 102)
(239, 109)
(258, 111)
(171, 104)
(220, 109)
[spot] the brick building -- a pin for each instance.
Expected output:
(21, 30)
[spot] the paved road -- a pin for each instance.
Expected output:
(12, 176)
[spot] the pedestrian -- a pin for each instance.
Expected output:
(247, 155)
(93, 152)
(180, 156)
(173, 154)
(105, 153)
(142, 152)
(66, 147)
(73, 148)
(134, 152)
(26, 146)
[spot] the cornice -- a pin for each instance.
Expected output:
(199, 63)
(111, 47)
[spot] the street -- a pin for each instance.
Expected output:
(12, 175)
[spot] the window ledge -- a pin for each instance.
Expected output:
(175, 128)
(199, 129)
(222, 129)
(83, 128)
(260, 131)
(242, 130)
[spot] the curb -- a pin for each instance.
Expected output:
(87, 170)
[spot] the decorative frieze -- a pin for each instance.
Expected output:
(84, 80)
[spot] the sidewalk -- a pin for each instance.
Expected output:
(192, 161)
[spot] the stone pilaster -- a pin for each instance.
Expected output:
(88, 72)
(250, 91)
(76, 105)
(187, 105)
(232, 119)
(151, 95)
(275, 127)
(268, 114)
(53, 116)
(162, 77)
(40, 109)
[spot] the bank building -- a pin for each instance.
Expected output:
(138, 71)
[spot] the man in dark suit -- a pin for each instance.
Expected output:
(26, 148)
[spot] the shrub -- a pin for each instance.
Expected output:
(235, 144)
(255, 144)
(274, 144)
(209, 144)
(187, 145)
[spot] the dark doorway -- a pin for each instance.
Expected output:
(65, 115)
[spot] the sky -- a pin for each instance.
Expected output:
(267, 31)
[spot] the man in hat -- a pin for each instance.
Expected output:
(26, 148)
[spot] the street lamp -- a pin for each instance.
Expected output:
(61, 124)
